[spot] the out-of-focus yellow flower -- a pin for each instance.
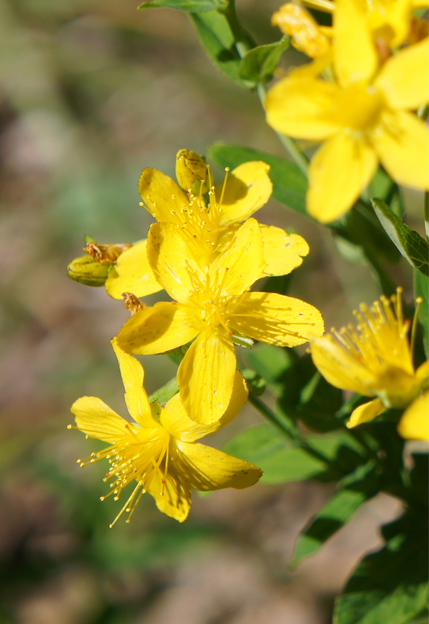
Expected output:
(373, 359)
(362, 118)
(388, 21)
(159, 450)
(306, 34)
(414, 424)
(211, 305)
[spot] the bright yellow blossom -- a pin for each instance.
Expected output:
(159, 449)
(362, 116)
(209, 228)
(389, 21)
(373, 359)
(213, 304)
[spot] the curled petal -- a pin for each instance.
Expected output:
(338, 173)
(98, 420)
(172, 493)
(276, 319)
(161, 328)
(247, 189)
(180, 426)
(132, 273)
(366, 412)
(414, 424)
(207, 469)
(206, 376)
(402, 143)
(283, 252)
(161, 195)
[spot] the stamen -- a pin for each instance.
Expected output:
(224, 186)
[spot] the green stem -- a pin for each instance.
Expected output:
(427, 214)
(273, 418)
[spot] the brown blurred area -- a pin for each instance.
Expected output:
(90, 93)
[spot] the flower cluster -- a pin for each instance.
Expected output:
(206, 251)
(359, 104)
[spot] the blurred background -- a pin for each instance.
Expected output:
(91, 92)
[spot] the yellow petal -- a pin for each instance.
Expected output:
(172, 261)
(175, 420)
(404, 78)
(338, 173)
(207, 469)
(414, 424)
(162, 328)
(339, 368)
(248, 188)
(242, 263)
(366, 412)
(422, 373)
(132, 273)
(135, 396)
(206, 376)
(276, 319)
(172, 497)
(162, 197)
(402, 143)
(283, 252)
(98, 420)
(301, 107)
(355, 57)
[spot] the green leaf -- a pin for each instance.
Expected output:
(195, 6)
(220, 34)
(319, 403)
(335, 514)
(289, 183)
(411, 245)
(279, 460)
(271, 363)
(259, 64)
(391, 584)
(164, 394)
(421, 289)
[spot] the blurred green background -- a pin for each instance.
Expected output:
(91, 92)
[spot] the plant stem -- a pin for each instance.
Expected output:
(427, 214)
(273, 418)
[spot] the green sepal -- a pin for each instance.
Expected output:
(86, 270)
(259, 64)
(411, 245)
(190, 6)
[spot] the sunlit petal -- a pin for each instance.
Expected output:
(161, 195)
(172, 494)
(283, 252)
(414, 424)
(98, 420)
(208, 469)
(339, 171)
(366, 412)
(161, 328)
(247, 189)
(402, 143)
(276, 319)
(132, 273)
(206, 376)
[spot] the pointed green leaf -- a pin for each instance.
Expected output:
(411, 245)
(195, 6)
(390, 585)
(336, 513)
(259, 64)
(289, 183)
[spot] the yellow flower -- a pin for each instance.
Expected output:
(414, 424)
(306, 34)
(363, 117)
(213, 304)
(373, 359)
(159, 449)
(388, 21)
